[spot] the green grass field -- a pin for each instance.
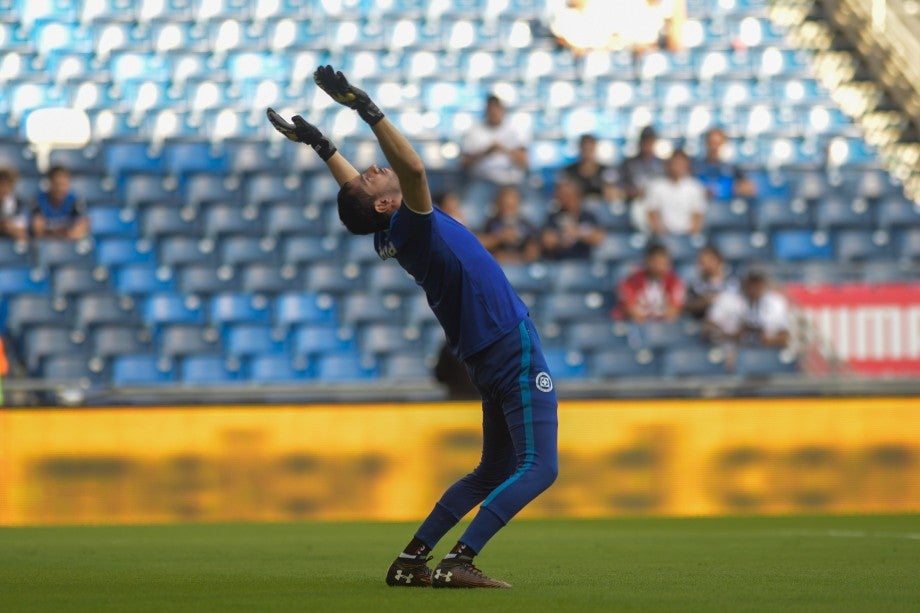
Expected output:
(725, 564)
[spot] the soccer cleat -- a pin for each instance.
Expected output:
(409, 572)
(462, 573)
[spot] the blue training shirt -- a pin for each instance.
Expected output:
(465, 286)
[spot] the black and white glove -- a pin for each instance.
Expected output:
(337, 86)
(299, 131)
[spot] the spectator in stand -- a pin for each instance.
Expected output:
(653, 292)
(675, 204)
(756, 315)
(507, 234)
(449, 202)
(636, 172)
(710, 279)
(721, 179)
(594, 179)
(570, 232)
(13, 218)
(494, 152)
(59, 212)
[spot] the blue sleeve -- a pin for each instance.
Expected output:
(407, 225)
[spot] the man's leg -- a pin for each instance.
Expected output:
(497, 463)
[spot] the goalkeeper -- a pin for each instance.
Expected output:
(487, 327)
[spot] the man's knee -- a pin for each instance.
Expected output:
(547, 472)
(491, 475)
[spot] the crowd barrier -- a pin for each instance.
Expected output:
(391, 462)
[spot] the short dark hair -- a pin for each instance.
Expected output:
(9, 174)
(493, 99)
(710, 248)
(57, 169)
(357, 212)
(654, 249)
(680, 153)
(755, 275)
(587, 137)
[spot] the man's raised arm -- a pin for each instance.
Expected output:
(298, 130)
(402, 157)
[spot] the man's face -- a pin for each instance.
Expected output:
(714, 142)
(495, 113)
(587, 148)
(755, 289)
(381, 183)
(678, 166)
(708, 264)
(658, 265)
(647, 147)
(6, 188)
(508, 202)
(568, 197)
(59, 185)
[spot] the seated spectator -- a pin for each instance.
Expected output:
(639, 170)
(59, 212)
(710, 279)
(13, 220)
(570, 232)
(449, 202)
(594, 179)
(675, 204)
(721, 179)
(755, 315)
(507, 234)
(652, 293)
(494, 151)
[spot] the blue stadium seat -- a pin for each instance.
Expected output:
(797, 245)
(624, 363)
(412, 367)
(268, 278)
(578, 277)
(143, 279)
(285, 219)
(573, 307)
(230, 219)
(27, 310)
(184, 158)
(763, 362)
(250, 339)
(107, 341)
(184, 250)
(681, 248)
(72, 280)
(206, 189)
(261, 189)
(207, 370)
(370, 308)
(96, 309)
(776, 214)
(836, 212)
(383, 339)
(741, 247)
(527, 278)
(661, 334)
(566, 364)
(238, 308)
(206, 280)
(147, 189)
(17, 155)
(333, 278)
(592, 336)
(728, 216)
(185, 339)
(250, 156)
(50, 253)
(129, 157)
(908, 244)
(167, 220)
(123, 251)
(386, 278)
(13, 254)
(68, 368)
(140, 370)
(312, 340)
(39, 343)
(172, 308)
(308, 250)
(337, 368)
(85, 160)
(238, 250)
(620, 248)
(294, 309)
(859, 245)
(693, 362)
(898, 212)
(276, 368)
(107, 221)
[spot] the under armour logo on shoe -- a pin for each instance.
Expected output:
(399, 576)
(438, 574)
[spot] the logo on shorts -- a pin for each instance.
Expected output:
(544, 383)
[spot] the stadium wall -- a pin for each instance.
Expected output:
(390, 462)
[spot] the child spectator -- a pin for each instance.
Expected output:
(59, 212)
(570, 232)
(508, 236)
(13, 222)
(710, 279)
(652, 293)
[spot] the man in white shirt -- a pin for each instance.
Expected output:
(495, 151)
(756, 315)
(675, 203)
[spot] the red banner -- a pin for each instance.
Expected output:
(875, 329)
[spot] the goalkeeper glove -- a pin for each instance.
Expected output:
(299, 131)
(337, 86)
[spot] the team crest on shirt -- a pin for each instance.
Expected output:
(384, 246)
(544, 382)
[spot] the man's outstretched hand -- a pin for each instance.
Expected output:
(339, 89)
(300, 131)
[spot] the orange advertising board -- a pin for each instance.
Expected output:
(391, 462)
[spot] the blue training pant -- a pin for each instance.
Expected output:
(519, 430)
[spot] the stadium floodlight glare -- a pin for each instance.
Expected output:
(285, 32)
(169, 38)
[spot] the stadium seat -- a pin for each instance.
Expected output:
(160, 309)
(168, 220)
(42, 342)
(617, 248)
(340, 368)
(145, 189)
(312, 340)
(183, 158)
(908, 244)
(781, 214)
(13, 254)
(362, 308)
(250, 156)
(592, 336)
(837, 212)
(268, 278)
(624, 363)
(383, 339)
(693, 362)
(142, 279)
(206, 280)
(22, 280)
(741, 247)
(184, 339)
(27, 310)
(231, 219)
(573, 307)
(97, 309)
(262, 189)
(238, 308)
(68, 368)
(110, 221)
(727, 216)
(860, 245)
(333, 278)
(140, 370)
(294, 309)
(763, 362)
(386, 278)
(527, 278)
(72, 280)
(50, 253)
(207, 370)
(85, 160)
(566, 364)
(285, 219)
(113, 252)
(129, 157)
(276, 368)
(898, 212)
(202, 190)
(797, 245)
(240, 250)
(411, 367)
(300, 250)
(185, 250)
(248, 339)
(107, 341)
(578, 277)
